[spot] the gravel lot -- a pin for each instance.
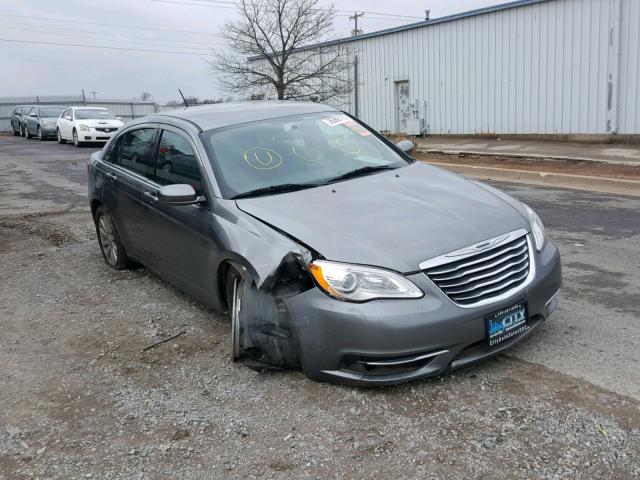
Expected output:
(81, 399)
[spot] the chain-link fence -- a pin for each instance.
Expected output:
(127, 109)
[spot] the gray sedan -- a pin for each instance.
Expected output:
(40, 121)
(331, 249)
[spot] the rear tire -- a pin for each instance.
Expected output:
(113, 251)
(16, 132)
(60, 139)
(26, 132)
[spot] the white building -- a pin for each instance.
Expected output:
(541, 67)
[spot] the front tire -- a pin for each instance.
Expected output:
(40, 137)
(113, 251)
(235, 288)
(26, 132)
(60, 139)
(21, 130)
(76, 141)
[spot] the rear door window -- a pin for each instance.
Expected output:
(137, 153)
(177, 163)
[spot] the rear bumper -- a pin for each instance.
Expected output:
(392, 341)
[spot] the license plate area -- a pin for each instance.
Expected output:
(507, 323)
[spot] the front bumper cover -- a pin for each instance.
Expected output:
(407, 339)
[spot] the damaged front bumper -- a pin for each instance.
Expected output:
(392, 341)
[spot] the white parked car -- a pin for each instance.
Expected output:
(87, 124)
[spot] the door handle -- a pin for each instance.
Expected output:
(150, 197)
(111, 176)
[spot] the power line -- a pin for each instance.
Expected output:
(67, 29)
(104, 39)
(97, 46)
(136, 27)
(336, 10)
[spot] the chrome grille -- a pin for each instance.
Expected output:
(480, 274)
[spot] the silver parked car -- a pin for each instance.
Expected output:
(41, 120)
(331, 248)
(18, 118)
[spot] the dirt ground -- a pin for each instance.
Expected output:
(81, 398)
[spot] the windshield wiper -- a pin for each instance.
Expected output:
(359, 172)
(283, 188)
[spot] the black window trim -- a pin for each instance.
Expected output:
(156, 143)
(209, 193)
(136, 175)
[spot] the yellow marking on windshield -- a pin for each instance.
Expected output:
(262, 158)
(302, 157)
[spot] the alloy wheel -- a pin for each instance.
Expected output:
(75, 139)
(108, 240)
(39, 133)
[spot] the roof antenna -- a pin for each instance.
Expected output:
(183, 99)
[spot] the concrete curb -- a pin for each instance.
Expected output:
(562, 180)
(530, 156)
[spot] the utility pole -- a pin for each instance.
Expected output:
(93, 92)
(355, 17)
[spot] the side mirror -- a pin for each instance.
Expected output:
(406, 146)
(180, 194)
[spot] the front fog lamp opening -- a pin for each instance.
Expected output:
(360, 283)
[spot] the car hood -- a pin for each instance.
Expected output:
(394, 219)
(101, 123)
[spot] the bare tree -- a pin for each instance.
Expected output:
(269, 46)
(145, 96)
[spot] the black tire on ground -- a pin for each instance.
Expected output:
(60, 139)
(113, 251)
(21, 130)
(40, 136)
(234, 289)
(76, 141)
(15, 132)
(26, 132)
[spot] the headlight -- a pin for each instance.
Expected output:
(537, 228)
(83, 127)
(358, 283)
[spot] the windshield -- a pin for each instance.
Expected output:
(51, 111)
(306, 150)
(94, 114)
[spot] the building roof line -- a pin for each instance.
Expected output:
(424, 23)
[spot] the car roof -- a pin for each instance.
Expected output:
(89, 108)
(218, 115)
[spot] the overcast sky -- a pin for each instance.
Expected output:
(45, 69)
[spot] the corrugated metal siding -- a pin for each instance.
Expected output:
(535, 69)
(629, 98)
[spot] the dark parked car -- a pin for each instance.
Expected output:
(41, 121)
(331, 248)
(17, 119)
